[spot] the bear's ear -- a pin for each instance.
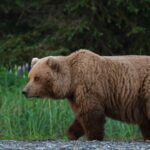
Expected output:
(53, 64)
(34, 61)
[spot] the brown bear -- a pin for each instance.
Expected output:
(95, 86)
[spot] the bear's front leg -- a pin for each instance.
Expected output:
(75, 131)
(145, 129)
(93, 124)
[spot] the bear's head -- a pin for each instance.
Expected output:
(49, 77)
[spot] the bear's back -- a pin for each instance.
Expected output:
(117, 79)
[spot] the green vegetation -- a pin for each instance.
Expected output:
(40, 28)
(31, 119)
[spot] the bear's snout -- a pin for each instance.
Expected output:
(24, 92)
(30, 92)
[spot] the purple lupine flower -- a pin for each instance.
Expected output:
(20, 71)
(27, 68)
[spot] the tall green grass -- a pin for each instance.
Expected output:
(32, 119)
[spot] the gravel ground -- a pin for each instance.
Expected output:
(73, 145)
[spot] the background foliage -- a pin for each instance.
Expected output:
(40, 28)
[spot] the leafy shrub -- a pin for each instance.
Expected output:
(41, 28)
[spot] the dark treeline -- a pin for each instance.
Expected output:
(58, 27)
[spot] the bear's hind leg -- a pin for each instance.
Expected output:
(145, 129)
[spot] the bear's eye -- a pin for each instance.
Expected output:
(36, 78)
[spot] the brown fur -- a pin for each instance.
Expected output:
(96, 87)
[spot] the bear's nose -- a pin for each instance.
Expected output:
(24, 92)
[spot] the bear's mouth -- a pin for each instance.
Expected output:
(36, 96)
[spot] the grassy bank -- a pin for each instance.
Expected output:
(24, 119)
